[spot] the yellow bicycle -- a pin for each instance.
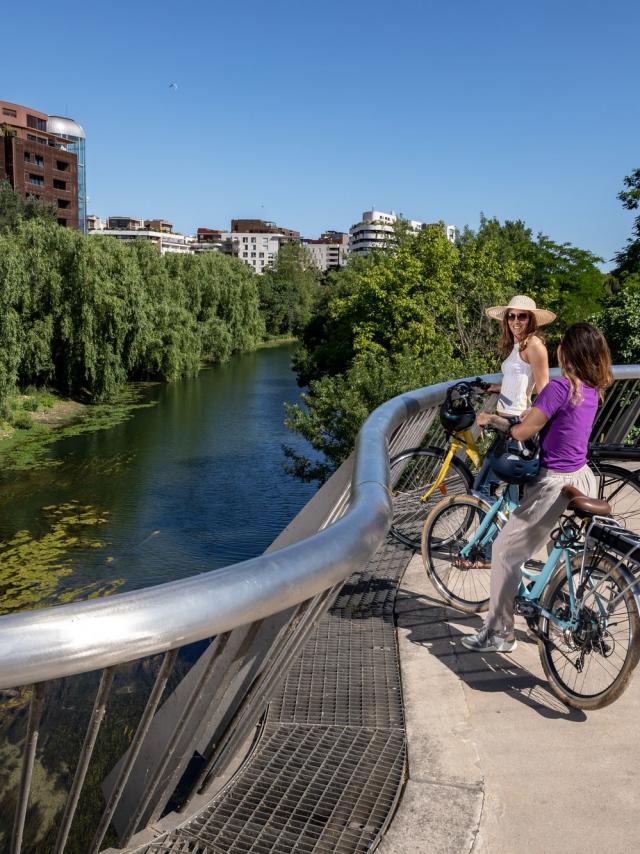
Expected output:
(423, 476)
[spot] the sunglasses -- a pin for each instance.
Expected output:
(521, 316)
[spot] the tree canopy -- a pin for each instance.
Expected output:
(415, 315)
(289, 290)
(620, 317)
(85, 314)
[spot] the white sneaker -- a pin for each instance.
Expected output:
(486, 641)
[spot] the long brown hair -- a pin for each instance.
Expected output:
(584, 357)
(507, 340)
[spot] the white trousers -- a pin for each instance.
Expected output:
(527, 531)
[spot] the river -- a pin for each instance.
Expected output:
(191, 483)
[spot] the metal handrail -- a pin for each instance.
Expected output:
(76, 638)
(79, 637)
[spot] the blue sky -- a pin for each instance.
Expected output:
(309, 113)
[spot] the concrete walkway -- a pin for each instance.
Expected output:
(497, 765)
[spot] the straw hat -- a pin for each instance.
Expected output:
(497, 312)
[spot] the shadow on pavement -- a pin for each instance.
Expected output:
(435, 626)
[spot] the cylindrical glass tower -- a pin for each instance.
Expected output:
(71, 131)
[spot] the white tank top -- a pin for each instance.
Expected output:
(517, 384)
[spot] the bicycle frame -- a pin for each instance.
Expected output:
(563, 549)
(459, 441)
(502, 509)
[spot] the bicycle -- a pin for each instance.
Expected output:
(617, 485)
(579, 604)
(424, 475)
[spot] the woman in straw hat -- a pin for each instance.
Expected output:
(525, 368)
(563, 415)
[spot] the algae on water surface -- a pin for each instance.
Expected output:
(32, 567)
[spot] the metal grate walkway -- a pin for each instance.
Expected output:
(329, 766)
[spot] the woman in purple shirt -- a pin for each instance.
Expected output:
(563, 415)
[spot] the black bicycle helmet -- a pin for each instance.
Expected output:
(457, 413)
(516, 462)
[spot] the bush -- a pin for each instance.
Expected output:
(30, 405)
(22, 421)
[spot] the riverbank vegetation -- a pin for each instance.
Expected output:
(415, 315)
(85, 315)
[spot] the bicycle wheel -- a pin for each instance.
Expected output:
(451, 525)
(621, 488)
(415, 471)
(590, 667)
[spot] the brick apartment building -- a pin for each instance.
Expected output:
(37, 162)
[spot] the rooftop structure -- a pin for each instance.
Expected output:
(74, 135)
(261, 226)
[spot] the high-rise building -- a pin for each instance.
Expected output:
(40, 160)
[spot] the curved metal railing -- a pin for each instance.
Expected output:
(259, 612)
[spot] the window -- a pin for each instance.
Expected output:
(261, 254)
(35, 122)
(62, 165)
(245, 254)
(39, 160)
(59, 185)
(8, 112)
(253, 240)
(27, 156)
(35, 179)
(63, 203)
(32, 137)
(62, 222)
(253, 254)
(245, 239)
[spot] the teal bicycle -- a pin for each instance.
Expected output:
(579, 604)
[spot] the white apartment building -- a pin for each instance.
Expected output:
(127, 228)
(376, 231)
(330, 251)
(258, 250)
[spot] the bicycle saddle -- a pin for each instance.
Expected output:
(584, 506)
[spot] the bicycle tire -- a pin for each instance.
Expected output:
(465, 588)
(419, 468)
(559, 654)
(621, 488)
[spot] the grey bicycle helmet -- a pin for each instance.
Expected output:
(456, 412)
(516, 462)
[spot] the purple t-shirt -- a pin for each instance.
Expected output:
(565, 437)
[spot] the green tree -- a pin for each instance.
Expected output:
(628, 259)
(415, 315)
(620, 317)
(14, 208)
(85, 314)
(289, 290)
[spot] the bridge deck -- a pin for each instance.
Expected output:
(330, 764)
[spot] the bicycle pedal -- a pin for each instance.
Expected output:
(525, 608)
